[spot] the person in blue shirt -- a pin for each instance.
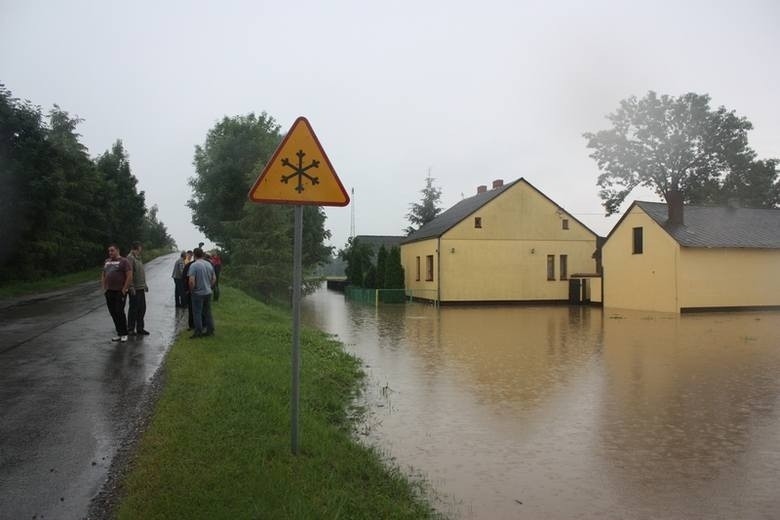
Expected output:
(201, 280)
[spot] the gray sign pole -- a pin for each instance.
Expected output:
(296, 330)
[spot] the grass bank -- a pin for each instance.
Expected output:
(218, 445)
(53, 283)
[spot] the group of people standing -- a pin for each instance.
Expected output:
(196, 278)
(125, 278)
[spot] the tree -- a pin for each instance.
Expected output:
(122, 201)
(358, 258)
(427, 209)
(394, 272)
(225, 167)
(257, 237)
(155, 234)
(381, 266)
(677, 144)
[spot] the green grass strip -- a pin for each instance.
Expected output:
(218, 445)
(62, 281)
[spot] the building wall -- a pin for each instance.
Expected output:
(422, 288)
(506, 258)
(729, 277)
(645, 281)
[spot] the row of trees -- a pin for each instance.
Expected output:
(59, 207)
(256, 238)
(361, 271)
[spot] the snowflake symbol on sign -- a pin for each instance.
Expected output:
(300, 171)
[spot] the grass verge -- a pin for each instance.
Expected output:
(53, 283)
(218, 445)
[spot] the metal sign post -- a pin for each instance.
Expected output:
(299, 173)
(296, 326)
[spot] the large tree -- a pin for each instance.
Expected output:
(122, 202)
(225, 167)
(427, 209)
(679, 144)
(257, 237)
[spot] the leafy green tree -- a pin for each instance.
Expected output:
(678, 144)
(60, 208)
(25, 155)
(370, 281)
(155, 234)
(427, 209)
(258, 238)
(381, 266)
(225, 167)
(76, 228)
(358, 258)
(394, 272)
(122, 201)
(261, 254)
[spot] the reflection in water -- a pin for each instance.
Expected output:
(559, 412)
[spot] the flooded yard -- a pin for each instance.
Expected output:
(572, 412)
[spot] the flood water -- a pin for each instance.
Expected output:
(571, 412)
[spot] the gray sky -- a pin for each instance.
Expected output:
(475, 91)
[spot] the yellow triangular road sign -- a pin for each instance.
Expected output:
(299, 172)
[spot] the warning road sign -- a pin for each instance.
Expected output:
(299, 172)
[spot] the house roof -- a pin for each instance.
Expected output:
(457, 213)
(716, 226)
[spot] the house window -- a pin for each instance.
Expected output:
(418, 269)
(429, 268)
(564, 267)
(565, 223)
(638, 241)
(478, 222)
(551, 267)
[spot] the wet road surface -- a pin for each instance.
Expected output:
(67, 393)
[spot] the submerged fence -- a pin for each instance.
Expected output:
(377, 296)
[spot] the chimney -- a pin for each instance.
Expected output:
(675, 205)
(481, 189)
(498, 183)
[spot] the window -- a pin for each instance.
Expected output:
(551, 267)
(478, 222)
(565, 223)
(418, 269)
(429, 268)
(564, 267)
(638, 241)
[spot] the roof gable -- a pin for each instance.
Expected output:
(718, 226)
(466, 207)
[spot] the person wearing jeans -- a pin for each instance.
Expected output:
(201, 280)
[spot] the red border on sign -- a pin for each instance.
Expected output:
(270, 163)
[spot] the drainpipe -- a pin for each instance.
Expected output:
(438, 271)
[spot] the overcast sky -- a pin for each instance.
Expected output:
(473, 91)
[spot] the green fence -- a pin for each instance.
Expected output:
(377, 296)
(374, 296)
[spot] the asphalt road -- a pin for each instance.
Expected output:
(68, 394)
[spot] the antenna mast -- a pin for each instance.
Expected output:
(352, 216)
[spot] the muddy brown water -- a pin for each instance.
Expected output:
(559, 412)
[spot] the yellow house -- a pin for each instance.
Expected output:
(508, 244)
(698, 258)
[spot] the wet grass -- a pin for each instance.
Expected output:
(219, 443)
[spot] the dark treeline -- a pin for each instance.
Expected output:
(257, 239)
(59, 207)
